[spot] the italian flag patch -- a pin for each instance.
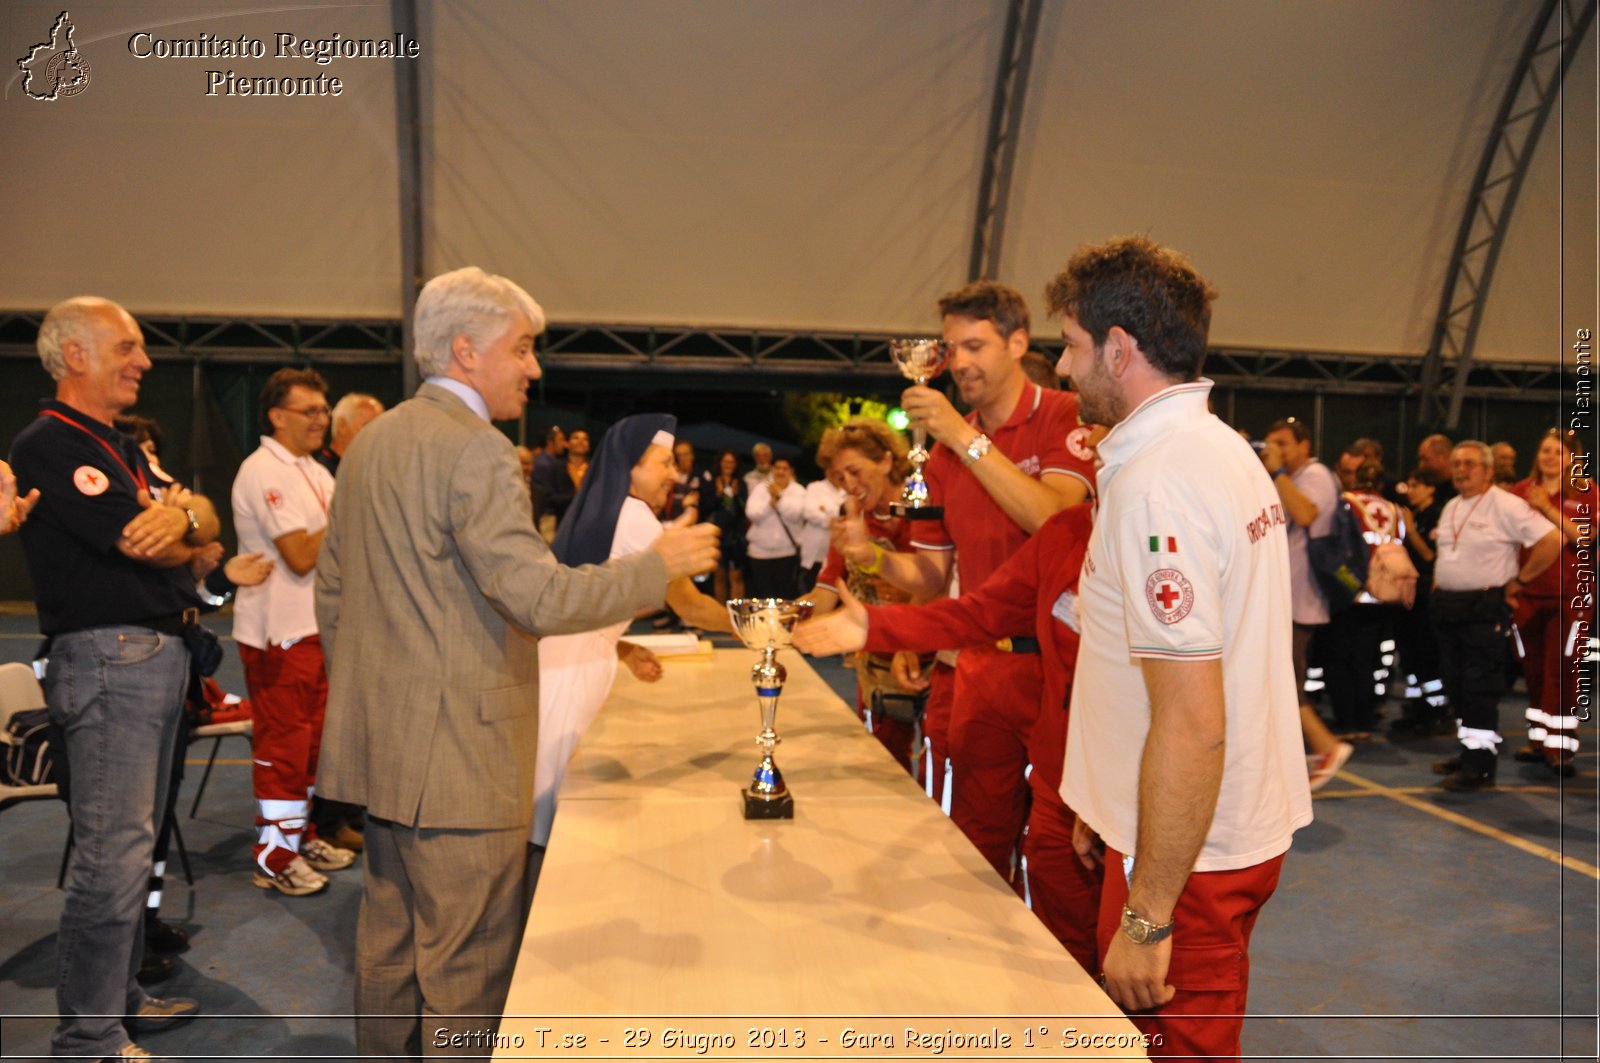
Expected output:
(1163, 544)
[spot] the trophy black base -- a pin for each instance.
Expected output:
(905, 512)
(758, 807)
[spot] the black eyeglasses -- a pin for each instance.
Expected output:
(311, 412)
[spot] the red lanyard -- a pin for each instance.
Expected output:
(321, 501)
(1455, 526)
(138, 477)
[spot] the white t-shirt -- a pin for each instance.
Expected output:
(1318, 483)
(1189, 561)
(1479, 538)
(276, 493)
(822, 504)
(767, 538)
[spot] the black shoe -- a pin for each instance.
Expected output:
(162, 936)
(155, 968)
(1564, 769)
(1468, 782)
(1529, 754)
(1448, 766)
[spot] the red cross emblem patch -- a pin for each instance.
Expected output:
(274, 498)
(1078, 443)
(1171, 596)
(90, 480)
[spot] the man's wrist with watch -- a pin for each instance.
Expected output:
(194, 525)
(976, 448)
(1141, 931)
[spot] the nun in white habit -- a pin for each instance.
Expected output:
(613, 515)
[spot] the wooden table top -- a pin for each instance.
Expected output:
(666, 924)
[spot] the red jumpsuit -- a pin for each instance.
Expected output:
(997, 694)
(1555, 621)
(1034, 591)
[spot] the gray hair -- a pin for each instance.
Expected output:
(70, 319)
(1482, 448)
(467, 301)
(346, 407)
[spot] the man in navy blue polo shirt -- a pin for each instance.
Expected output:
(109, 547)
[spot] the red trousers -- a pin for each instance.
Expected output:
(288, 696)
(936, 728)
(1554, 639)
(1064, 894)
(991, 721)
(1210, 966)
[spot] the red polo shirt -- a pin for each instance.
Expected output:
(1035, 438)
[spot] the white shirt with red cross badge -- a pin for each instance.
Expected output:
(1189, 561)
(276, 493)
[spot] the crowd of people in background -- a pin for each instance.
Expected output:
(1109, 554)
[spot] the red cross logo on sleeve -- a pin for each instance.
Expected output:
(1170, 594)
(1379, 516)
(274, 498)
(90, 480)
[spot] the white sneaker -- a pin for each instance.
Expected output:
(296, 880)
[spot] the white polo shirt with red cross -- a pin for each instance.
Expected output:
(1189, 561)
(276, 493)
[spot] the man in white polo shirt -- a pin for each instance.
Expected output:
(1476, 579)
(1183, 755)
(280, 508)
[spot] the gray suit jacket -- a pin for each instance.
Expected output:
(431, 588)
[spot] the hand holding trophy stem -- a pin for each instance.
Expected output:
(919, 360)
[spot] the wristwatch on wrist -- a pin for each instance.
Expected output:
(977, 448)
(1142, 931)
(194, 526)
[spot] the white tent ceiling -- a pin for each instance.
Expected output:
(767, 163)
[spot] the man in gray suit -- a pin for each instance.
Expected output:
(432, 588)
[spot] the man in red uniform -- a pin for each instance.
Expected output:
(999, 473)
(1036, 590)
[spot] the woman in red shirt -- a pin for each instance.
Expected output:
(1555, 613)
(870, 458)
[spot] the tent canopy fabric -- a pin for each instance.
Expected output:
(760, 163)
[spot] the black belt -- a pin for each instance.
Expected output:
(1018, 644)
(171, 623)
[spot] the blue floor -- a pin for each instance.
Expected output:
(1409, 923)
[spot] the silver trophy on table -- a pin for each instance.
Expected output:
(918, 361)
(767, 624)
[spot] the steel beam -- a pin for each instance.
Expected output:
(408, 130)
(1005, 126)
(1530, 95)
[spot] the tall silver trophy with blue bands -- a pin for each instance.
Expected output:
(767, 624)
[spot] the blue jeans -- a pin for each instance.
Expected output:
(117, 693)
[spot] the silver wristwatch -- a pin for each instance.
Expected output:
(1142, 931)
(977, 448)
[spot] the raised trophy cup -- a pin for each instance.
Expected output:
(767, 624)
(919, 361)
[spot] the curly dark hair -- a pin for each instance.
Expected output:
(1149, 291)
